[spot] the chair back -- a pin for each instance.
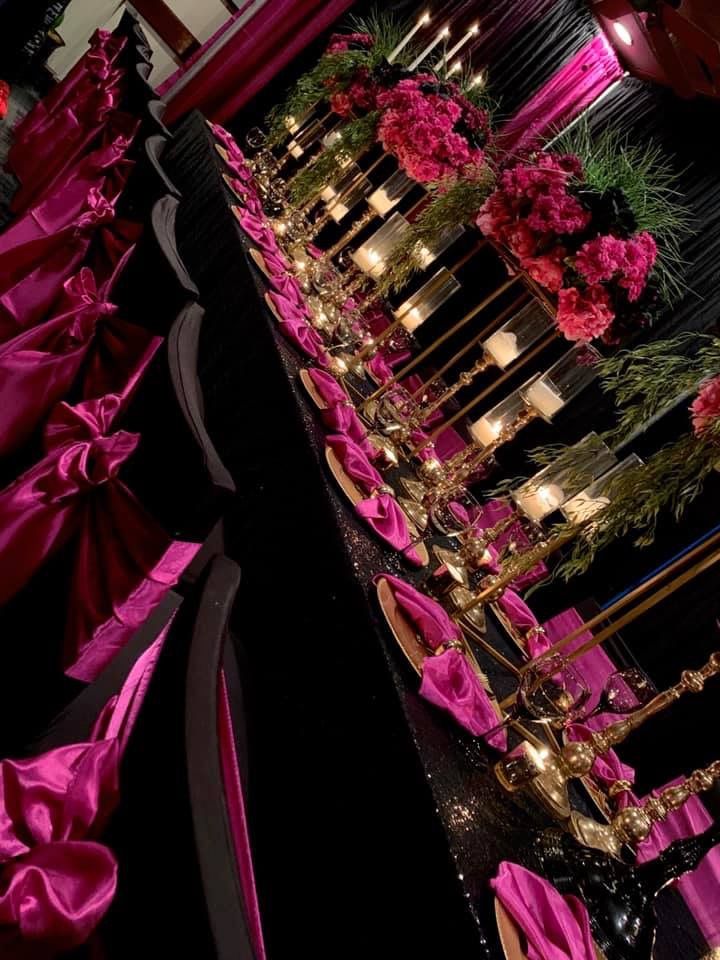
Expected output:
(152, 119)
(155, 284)
(176, 473)
(147, 183)
(216, 751)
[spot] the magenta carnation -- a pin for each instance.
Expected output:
(584, 314)
(417, 127)
(558, 212)
(627, 261)
(360, 95)
(521, 240)
(341, 42)
(640, 256)
(495, 214)
(705, 407)
(548, 269)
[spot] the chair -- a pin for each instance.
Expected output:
(176, 474)
(155, 285)
(152, 118)
(147, 183)
(172, 832)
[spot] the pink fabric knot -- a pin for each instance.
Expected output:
(81, 290)
(99, 210)
(55, 882)
(449, 681)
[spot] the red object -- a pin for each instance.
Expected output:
(677, 45)
(4, 97)
(269, 41)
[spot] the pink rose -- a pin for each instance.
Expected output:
(521, 240)
(548, 269)
(705, 407)
(584, 315)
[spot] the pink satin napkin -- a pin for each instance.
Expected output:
(448, 680)
(277, 264)
(296, 328)
(493, 512)
(555, 927)
(339, 416)
(380, 510)
(290, 289)
(258, 231)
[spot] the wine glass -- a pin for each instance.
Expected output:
(625, 691)
(256, 138)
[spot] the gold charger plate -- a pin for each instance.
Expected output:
(409, 642)
(355, 495)
(222, 153)
(228, 183)
(311, 390)
(511, 939)
(259, 260)
(272, 308)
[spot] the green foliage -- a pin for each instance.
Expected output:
(648, 181)
(646, 380)
(669, 481)
(388, 31)
(449, 206)
(356, 137)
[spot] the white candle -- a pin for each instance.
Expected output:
(583, 507)
(331, 138)
(295, 149)
(337, 211)
(412, 319)
(381, 202)
(369, 260)
(472, 32)
(292, 124)
(538, 502)
(502, 347)
(485, 431)
(425, 257)
(546, 401)
(442, 35)
(328, 194)
(423, 21)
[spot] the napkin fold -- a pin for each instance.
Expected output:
(609, 767)
(296, 328)
(339, 415)
(448, 680)
(555, 927)
(380, 510)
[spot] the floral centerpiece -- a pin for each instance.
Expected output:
(431, 128)
(597, 227)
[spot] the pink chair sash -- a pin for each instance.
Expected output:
(97, 62)
(38, 367)
(56, 881)
(61, 138)
(33, 272)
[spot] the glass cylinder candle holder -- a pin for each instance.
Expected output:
(549, 489)
(355, 191)
(371, 256)
(427, 255)
(597, 495)
(344, 181)
(488, 428)
(574, 371)
(425, 301)
(390, 193)
(516, 336)
(304, 139)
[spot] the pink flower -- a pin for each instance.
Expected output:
(521, 240)
(705, 407)
(584, 315)
(340, 42)
(417, 126)
(359, 95)
(627, 261)
(548, 269)
(495, 214)
(558, 212)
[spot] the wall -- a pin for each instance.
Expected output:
(83, 17)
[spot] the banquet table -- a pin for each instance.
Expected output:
(378, 822)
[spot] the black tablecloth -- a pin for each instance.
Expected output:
(377, 822)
